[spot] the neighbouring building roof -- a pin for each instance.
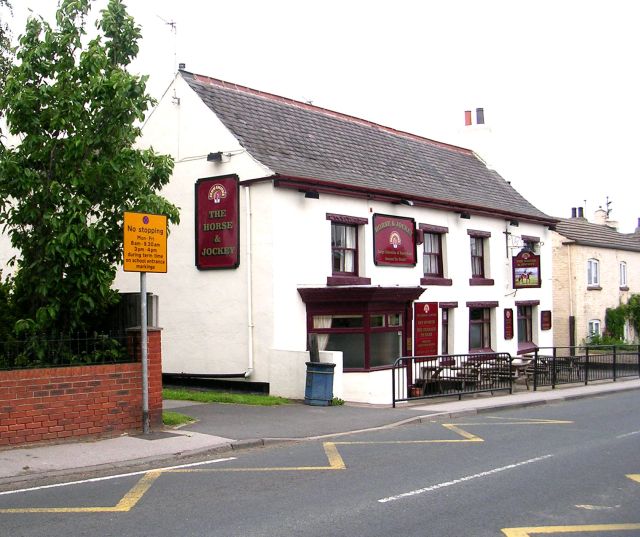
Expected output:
(305, 142)
(581, 231)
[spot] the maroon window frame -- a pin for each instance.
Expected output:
(525, 324)
(477, 256)
(445, 331)
(341, 253)
(344, 277)
(432, 255)
(367, 330)
(480, 328)
(367, 302)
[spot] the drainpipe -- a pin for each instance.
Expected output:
(247, 199)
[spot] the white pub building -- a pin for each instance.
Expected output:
(297, 220)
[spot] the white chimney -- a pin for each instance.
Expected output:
(476, 135)
(600, 217)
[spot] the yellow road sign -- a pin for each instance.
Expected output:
(145, 242)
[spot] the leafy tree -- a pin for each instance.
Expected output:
(5, 53)
(65, 187)
(633, 312)
(614, 322)
(5, 45)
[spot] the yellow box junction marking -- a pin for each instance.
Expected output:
(335, 463)
(546, 530)
(333, 456)
(127, 503)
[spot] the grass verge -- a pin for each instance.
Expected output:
(173, 419)
(222, 397)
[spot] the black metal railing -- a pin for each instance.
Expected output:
(571, 365)
(424, 377)
(69, 350)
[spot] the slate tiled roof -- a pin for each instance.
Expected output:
(298, 140)
(581, 231)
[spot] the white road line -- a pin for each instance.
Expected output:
(462, 479)
(627, 434)
(96, 479)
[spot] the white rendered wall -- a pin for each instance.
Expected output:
(204, 313)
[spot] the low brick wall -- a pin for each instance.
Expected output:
(72, 402)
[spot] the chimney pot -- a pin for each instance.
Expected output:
(573, 212)
(480, 116)
(467, 117)
(580, 212)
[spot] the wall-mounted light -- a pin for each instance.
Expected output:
(310, 194)
(406, 202)
(465, 215)
(514, 223)
(214, 157)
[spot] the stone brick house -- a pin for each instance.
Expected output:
(595, 267)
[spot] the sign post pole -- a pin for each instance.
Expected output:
(143, 345)
(144, 250)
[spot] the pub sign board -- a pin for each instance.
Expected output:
(217, 223)
(508, 323)
(394, 240)
(426, 328)
(526, 270)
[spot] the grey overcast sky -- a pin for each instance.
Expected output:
(558, 79)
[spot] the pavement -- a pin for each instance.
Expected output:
(224, 428)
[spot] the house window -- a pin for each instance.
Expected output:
(432, 256)
(525, 324)
(345, 252)
(593, 328)
(445, 331)
(531, 243)
(477, 257)
(344, 248)
(479, 329)
(623, 274)
(366, 340)
(593, 273)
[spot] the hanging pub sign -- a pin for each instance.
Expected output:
(217, 223)
(394, 240)
(526, 270)
(545, 320)
(508, 323)
(425, 321)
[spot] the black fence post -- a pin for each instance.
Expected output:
(586, 366)
(553, 368)
(614, 364)
(393, 384)
(535, 371)
(510, 360)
